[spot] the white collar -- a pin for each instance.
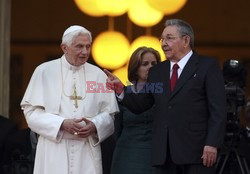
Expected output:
(68, 66)
(182, 62)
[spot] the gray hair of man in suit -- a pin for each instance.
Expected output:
(184, 29)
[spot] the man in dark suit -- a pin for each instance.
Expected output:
(190, 110)
(7, 129)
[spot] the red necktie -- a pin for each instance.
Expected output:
(174, 76)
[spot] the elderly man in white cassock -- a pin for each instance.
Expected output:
(67, 106)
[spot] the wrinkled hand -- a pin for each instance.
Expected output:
(88, 129)
(113, 82)
(71, 125)
(209, 156)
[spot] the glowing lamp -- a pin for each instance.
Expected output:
(122, 74)
(148, 41)
(90, 7)
(113, 7)
(110, 49)
(142, 14)
(167, 6)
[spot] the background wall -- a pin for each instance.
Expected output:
(222, 30)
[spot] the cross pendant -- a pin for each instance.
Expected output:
(75, 97)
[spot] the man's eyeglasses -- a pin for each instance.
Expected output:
(170, 38)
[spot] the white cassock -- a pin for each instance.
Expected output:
(47, 103)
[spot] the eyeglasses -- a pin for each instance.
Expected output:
(170, 38)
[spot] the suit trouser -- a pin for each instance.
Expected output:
(171, 168)
(184, 169)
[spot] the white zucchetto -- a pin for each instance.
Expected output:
(72, 29)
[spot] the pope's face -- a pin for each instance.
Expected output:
(78, 52)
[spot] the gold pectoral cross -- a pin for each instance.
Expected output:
(75, 97)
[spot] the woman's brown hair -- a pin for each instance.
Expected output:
(136, 60)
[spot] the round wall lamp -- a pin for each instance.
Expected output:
(148, 41)
(167, 6)
(110, 49)
(90, 7)
(142, 14)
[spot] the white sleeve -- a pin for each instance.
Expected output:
(45, 124)
(104, 123)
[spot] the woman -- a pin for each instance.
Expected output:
(132, 153)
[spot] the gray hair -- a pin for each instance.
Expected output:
(73, 31)
(183, 27)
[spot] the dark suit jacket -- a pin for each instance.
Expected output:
(7, 129)
(192, 116)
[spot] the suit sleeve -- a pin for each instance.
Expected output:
(215, 91)
(137, 103)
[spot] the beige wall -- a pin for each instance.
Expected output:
(4, 56)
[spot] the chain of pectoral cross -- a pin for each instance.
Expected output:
(75, 97)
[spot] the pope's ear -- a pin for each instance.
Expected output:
(64, 48)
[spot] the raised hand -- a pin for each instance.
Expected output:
(113, 82)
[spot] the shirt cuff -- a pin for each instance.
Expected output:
(120, 96)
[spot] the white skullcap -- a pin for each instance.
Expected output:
(72, 29)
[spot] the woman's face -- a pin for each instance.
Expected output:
(148, 60)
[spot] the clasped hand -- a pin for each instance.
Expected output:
(75, 127)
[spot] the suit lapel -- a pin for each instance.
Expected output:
(166, 78)
(187, 72)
